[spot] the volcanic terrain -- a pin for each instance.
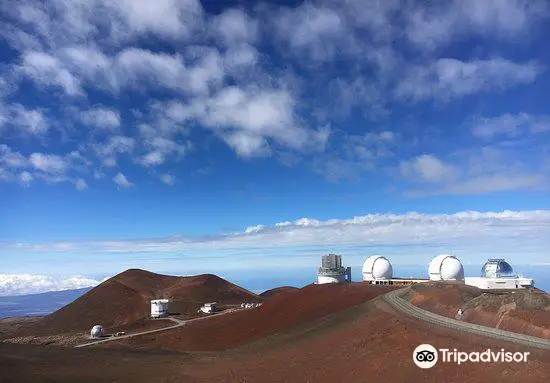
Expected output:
(321, 333)
(525, 311)
(122, 303)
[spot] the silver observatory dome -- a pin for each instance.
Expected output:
(497, 268)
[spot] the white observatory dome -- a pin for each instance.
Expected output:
(97, 331)
(445, 267)
(377, 267)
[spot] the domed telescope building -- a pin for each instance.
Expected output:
(377, 268)
(497, 274)
(332, 271)
(97, 331)
(446, 267)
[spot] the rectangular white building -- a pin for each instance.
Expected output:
(159, 308)
(499, 283)
(209, 308)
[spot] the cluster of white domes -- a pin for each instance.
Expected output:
(377, 268)
(446, 267)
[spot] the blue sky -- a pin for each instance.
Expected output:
(160, 134)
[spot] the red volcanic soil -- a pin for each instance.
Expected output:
(268, 294)
(367, 342)
(523, 311)
(123, 302)
(276, 315)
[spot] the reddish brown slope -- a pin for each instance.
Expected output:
(123, 301)
(268, 294)
(111, 304)
(277, 315)
(523, 311)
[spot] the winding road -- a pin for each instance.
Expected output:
(178, 323)
(400, 304)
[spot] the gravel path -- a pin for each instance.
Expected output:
(178, 323)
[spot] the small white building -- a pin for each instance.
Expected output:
(159, 308)
(497, 274)
(209, 308)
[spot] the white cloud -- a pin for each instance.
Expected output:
(234, 26)
(427, 168)
(450, 78)
(168, 179)
(25, 178)
(47, 70)
(104, 118)
(316, 31)
(466, 233)
(80, 184)
(439, 24)
(509, 125)
(49, 163)
(11, 159)
(161, 149)
(108, 151)
(32, 121)
(121, 180)
(138, 67)
(21, 284)
(477, 171)
(166, 18)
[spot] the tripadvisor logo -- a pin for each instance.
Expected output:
(426, 356)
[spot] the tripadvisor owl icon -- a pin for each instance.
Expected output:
(425, 356)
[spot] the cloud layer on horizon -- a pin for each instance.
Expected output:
(23, 284)
(465, 232)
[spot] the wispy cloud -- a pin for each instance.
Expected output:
(463, 231)
(121, 180)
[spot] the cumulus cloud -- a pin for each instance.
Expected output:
(234, 26)
(121, 180)
(47, 70)
(168, 179)
(430, 27)
(80, 184)
(32, 121)
(107, 151)
(509, 125)
(314, 30)
(104, 118)
(479, 171)
(51, 168)
(253, 78)
(450, 78)
(427, 168)
(22, 284)
(25, 178)
(48, 163)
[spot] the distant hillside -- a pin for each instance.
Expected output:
(277, 291)
(124, 300)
